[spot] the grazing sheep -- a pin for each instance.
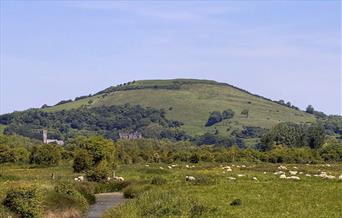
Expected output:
(293, 172)
(147, 165)
(173, 165)
(308, 175)
(281, 167)
(229, 170)
(169, 167)
(119, 178)
(187, 166)
(254, 178)
(265, 173)
(340, 177)
(241, 175)
(231, 178)
(278, 173)
(282, 176)
(296, 168)
(243, 166)
(300, 173)
(190, 178)
(161, 168)
(79, 178)
(293, 177)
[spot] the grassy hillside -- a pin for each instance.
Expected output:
(191, 101)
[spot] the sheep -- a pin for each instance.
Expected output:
(187, 166)
(231, 178)
(147, 165)
(308, 175)
(296, 168)
(161, 168)
(240, 175)
(169, 167)
(79, 178)
(281, 167)
(265, 172)
(119, 178)
(173, 165)
(254, 178)
(293, 172)
(278, 173)
(190, 178)
(282, 176)
(300, 173)
(229, 170)
(243, 166)
(293, 177)
(340, 177)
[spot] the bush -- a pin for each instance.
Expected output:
(47, 154)
(70, 192)
(158, 180)
(26, 202)
(100, 173)
(133, 191)
(112, 186)
(236, 202)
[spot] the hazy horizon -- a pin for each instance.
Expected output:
(53, 51)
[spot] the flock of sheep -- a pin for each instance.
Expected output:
(283, 172)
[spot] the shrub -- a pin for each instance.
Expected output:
(26, 202)
(100, 173)
(236, 202)
(158, 180)
(112, 186)
(133, 191)
(70, 192)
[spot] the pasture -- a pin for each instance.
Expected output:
(159, 190)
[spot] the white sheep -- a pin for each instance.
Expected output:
(161, 168)
(340, 177)
(173, 165)
(296, 168)
(243, 166)
(278, 173)
(119, 178)
(293, 172)
(229, 170)
(308, 175)
(231, 178)
(169, 167)
(254, 178)
(265, 172)
(147, 165)
(293, 177)
(241, 175)
(187, 166)
(282, 176)
(281, 167)
(190, 178)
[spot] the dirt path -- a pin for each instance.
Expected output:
(104, 201)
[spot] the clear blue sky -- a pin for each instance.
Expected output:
(55, 50)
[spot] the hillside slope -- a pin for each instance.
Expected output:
(191, 102)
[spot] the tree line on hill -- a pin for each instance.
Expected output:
(106, 120)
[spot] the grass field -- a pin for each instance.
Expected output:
(193, 102)
(212, 192)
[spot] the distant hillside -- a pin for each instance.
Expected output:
(192, 101)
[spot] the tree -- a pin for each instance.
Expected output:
(228, 114)
(94, 155)
(310, 109)
(214, 117)
(245, 112)
(47, 154)
(315, 136)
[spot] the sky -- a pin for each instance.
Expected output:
(56, 50)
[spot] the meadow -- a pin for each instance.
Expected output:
(158, 191)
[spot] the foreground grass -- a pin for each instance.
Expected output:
(209, 196)
(269, 196)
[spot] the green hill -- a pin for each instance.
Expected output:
(192, 101)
